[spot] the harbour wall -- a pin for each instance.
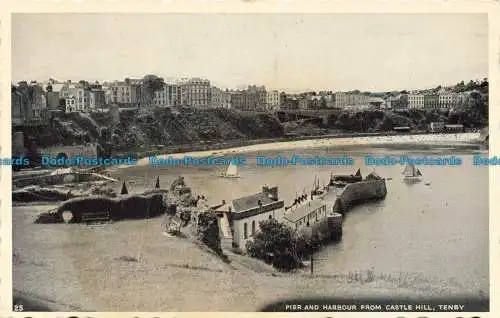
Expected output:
(359, 192)
(328, 229)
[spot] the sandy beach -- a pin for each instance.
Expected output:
(430, 139)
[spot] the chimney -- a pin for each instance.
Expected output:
(259, 203)
(271, 192)
(265, 189)
(223, 202)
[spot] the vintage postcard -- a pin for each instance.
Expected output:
(238, 157)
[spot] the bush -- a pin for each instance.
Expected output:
(177, 182)
(207, 231)
(278, 244)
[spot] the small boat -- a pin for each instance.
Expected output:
(231, 172)
(412, 173)
(342, 180)
(316, 189)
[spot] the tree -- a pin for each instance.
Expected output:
(470, 86)
(84, 84)
(323, 102)
(484, 85)
(152, 83)
(276, 243)
(460, 87)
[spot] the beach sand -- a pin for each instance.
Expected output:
(430, 139)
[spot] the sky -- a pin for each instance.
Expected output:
(291, 52)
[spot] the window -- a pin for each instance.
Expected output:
(270, 217)
(253, 228)
(245, 231)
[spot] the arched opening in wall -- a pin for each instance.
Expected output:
(245, 231)
(67, 216)
(253, 228)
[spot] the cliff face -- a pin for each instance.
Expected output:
(131, 129)
(147, 127)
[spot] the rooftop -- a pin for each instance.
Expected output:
(303, 210)
(250, 202)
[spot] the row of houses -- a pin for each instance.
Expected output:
(32, 102)
(441, 100)
(255, 98)
(349, 100)
(29, 104)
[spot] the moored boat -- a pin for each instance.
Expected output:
(412, 173)
(343, 180)
(231, 172)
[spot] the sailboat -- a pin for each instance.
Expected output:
(412, 173)
(231, 172)
(316, 189)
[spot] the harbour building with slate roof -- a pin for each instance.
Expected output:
(242, 215)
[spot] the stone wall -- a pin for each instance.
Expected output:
(329, 228)
(88, 151)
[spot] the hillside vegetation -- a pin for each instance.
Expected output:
(145, 128)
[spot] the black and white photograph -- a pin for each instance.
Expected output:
(249, 162)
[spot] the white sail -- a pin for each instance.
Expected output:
(409, 170)
(232, 170)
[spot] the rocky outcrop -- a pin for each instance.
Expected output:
(122, 208)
